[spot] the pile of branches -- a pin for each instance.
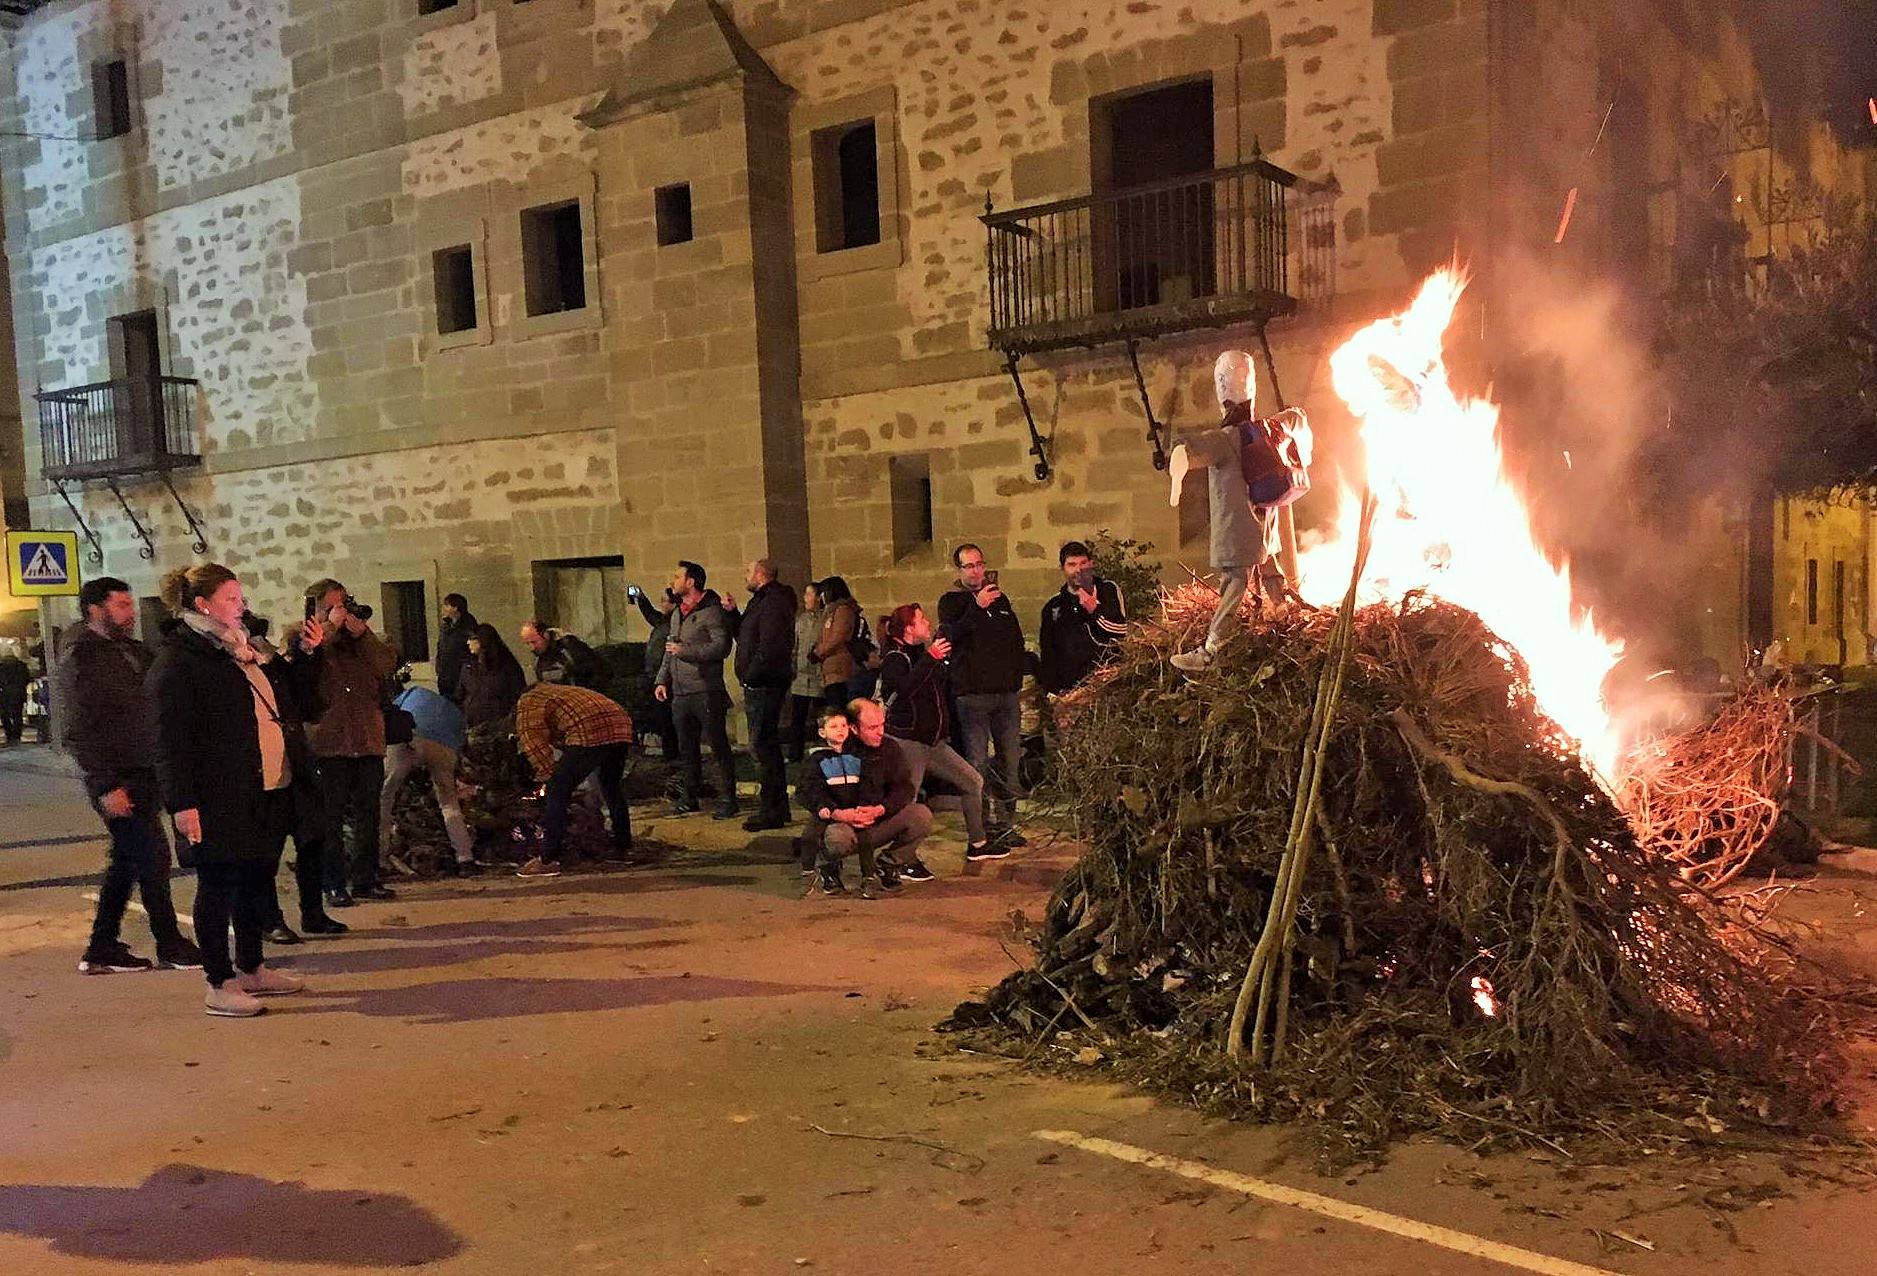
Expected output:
(1482, 948)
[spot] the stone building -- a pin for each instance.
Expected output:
(529, 298)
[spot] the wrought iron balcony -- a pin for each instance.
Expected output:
(1203, 251)
(116, 429)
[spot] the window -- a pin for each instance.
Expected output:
(110, 89)
(454, 270)
(553, 258)
(1811, 591)
(910, 480)
(671, 208)
(847, 186)
(584, 596)
(434, 6)
(407, 618)
(1154, 248)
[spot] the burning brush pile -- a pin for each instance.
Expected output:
(1479, 946)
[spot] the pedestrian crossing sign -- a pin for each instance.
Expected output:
(42, 564)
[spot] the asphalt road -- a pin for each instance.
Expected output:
(690, 1068)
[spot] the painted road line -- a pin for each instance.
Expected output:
(182, 919)
(1328, 1206)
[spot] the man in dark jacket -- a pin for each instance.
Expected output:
(691, 681)
(988, 661)
(561, 657)
(110, 731)
(15, 677)
(1082, 624)
(765, 665)
(453, 645)
(349, 742)
(905, 822)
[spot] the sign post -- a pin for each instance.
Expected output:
(42, 564)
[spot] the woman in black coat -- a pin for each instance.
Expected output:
(492, 679)
(228, 746)
(915, 684)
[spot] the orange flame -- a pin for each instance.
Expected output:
(1451, 523)
(1483, 998)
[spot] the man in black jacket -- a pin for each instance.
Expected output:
(453, 645)
(110, 731)
(988, 661)
(1082, 624)
(15, 677)
(561, 657)
(765, 665)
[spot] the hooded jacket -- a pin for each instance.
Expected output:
(110, 716)
(703, 638)
(765, 638)
(1073, 640)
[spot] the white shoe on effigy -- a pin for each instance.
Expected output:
(1198, 660)
(262, 982)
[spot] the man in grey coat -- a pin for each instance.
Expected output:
(1242, 533)
(691, 681)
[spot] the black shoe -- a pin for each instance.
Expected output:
(467, 868)
(889, 875)
(313, 927)
(1007, 835)
(112, 959)
(373, 891)
(282, 934)
(340, 898)
(916, 872)
(762, 822)
(830, 881)
(684, 806)
(726, 811)
(991, 850)
(178, 954)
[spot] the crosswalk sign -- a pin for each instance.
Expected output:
(42, 564)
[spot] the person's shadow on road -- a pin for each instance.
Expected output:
(185, 1214)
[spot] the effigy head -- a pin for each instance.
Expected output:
(1235, 379)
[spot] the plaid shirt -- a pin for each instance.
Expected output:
(554, 716)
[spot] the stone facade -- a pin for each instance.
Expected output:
(295, 165)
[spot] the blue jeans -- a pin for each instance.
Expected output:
(994, 721)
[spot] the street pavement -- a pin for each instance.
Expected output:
(692, 1068)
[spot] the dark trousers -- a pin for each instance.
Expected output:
(995, 721)
(803, 710)
(311, 832)
(695, 716)
(139, 860)
(13, 716)
(608, 763)
(239, 892)
(350, 788)
(762, 709)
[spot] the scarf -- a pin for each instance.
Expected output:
(249, 654)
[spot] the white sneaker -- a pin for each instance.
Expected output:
(262, 982)
(1198, 660)
(230, 1002)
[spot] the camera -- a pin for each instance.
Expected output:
(362, 610)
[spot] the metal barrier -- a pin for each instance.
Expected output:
(133, 425)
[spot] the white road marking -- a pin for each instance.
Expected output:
(1328, 1206)
(182, 919)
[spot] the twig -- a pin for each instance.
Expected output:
(912, 1139)
(1062, 992)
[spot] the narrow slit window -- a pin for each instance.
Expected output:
(454, 271)
(910, 478)
(110, 86)
(671, 209)
(847, 186)
(407, 618)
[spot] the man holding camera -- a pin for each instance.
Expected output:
(348, 741)
(988, 662)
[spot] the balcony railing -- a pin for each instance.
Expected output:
(1201, 251)
(134, 425)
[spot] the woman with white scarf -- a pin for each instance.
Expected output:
(229, 742)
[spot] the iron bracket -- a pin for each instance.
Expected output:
(201, 542)
(96, 552)
(149, 549)
(1270, 367)
(1153, 426)
(1037, 447)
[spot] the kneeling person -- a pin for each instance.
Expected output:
(840, 792)
(593, 735)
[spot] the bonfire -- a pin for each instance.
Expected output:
(1367, 869)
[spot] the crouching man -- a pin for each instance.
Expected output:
(893, 827)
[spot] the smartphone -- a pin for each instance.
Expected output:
(633, 592)
(990, 579)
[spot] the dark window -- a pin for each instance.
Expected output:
(1811, 591)
(847, 186)
(110, 87)
(671, 207)
(454, 270)
(910, 478)
(1156, 247)
(407, 618)
(553, 256)
(434, 6)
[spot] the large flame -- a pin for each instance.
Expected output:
(1451, 522)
